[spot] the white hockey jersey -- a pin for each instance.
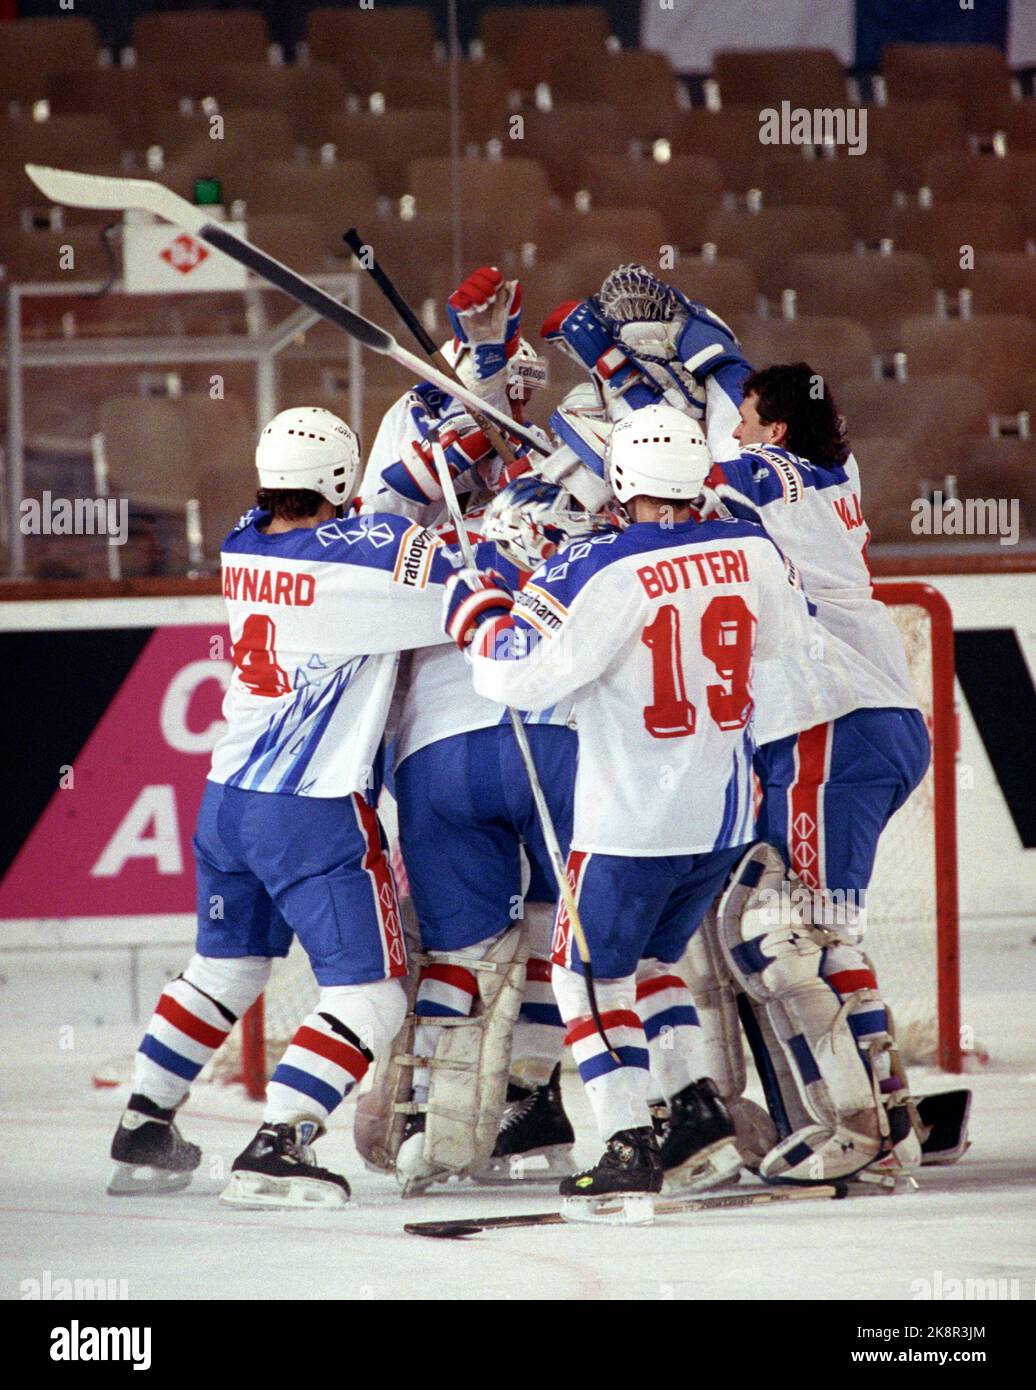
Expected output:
(656, 631)
(439, 699)
(813, 514)
(318, 617)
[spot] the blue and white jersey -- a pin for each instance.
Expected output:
(439, 699)
(656, 631)
(318, 617)
(813, 514)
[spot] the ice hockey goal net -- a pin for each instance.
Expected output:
(912, 901)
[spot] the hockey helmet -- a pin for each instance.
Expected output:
(658, 451)
(308, 447)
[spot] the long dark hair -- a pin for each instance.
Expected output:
(795, 395)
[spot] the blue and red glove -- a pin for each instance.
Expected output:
(485, 312)
(577, 329)
(472, 598)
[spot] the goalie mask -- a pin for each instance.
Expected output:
(647, 318)
(531, 520)
(308, 447)
(658, 451)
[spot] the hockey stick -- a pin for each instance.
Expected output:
(119, 194)
(550, 836)
(664, 1206)
(364, 254)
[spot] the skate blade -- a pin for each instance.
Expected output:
(517, 1170)
(711, 1167)
(257, 1192)
(140, 1180)
(618, 1209)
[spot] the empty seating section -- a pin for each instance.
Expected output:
(905, 273)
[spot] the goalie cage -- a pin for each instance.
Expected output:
(912, 933)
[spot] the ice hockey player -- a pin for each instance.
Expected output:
(827, 794)
(320, 602)
(654, 631)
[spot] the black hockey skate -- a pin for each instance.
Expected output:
(277, 1170)
(534, 1127)
(630, 1165)
(150, 1153)
(698, 1151)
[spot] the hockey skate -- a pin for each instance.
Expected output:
(277, 1170)
(535, 1139)
(413, 1171)
(150, 1153)
(624, 1181)
(698, 1150)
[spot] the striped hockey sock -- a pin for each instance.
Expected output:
(539, 1034)
(444, 991)
(186, 1029)
(671, 1027)
(323, 1062)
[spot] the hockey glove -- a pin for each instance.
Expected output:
(471, 598)
(485, 313)
(576, 329)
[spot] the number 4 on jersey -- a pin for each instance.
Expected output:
(727, 630)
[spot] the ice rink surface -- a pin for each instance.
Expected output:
(976, 1220)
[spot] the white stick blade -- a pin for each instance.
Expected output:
(76, 190)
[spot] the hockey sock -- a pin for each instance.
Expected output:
(618, 1090)
(539, 1034)
(671, 1027)
(848, 971)
(332, 1049)
(194, 1014)
(446, 990)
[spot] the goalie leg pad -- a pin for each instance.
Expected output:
(712, 989)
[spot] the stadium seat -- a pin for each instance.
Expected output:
(876, 290)
(381, 32)
(64, 141)
(32, 49)
(640, 86)
(838, 348)
(997, 351)
(921, 410)
(996, 468)
(193, 39)
(684, 191)
(726, 285)
(221, 440)
(38, 255)
(890, 473)
(768, 239)
(526, 37)
(905, 134)
(1020, 124)
(987, 178)
(505, 194)
(306, 94)
(810, 77)
(861, 187)
(553, 136)
(247, 131)
(334, 196)
(124, 95)
(388, 142)
(975, 75)
(148, 450)
(640, 231)
(295, 239)
(941, 231)
(730, 137)
(1004, 282)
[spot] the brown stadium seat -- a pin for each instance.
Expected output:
(63, 141)
(526, 37)
(891, 468)
(996, 468)
(765, 77)
(507, 194)
(860, 186)
(876, 290)
(907, 133)
(148, 450)
(769, 239)
(197, 38)
(640, 231)
(249, 131)
(298, 241)
(976, 75)
(997, 351)
(388, 142)
(987, 178)
(941, 231)
(638, 84)
(552, 137)
(1004, 282)
(32, 49)
(727, 286)
(305, 94)
(335, 196)
(484, 93)
(684, 191)
(1020, 124)
(37, 255)
(221, 437)
(838, 348)
(730, 137)
(381, 32)
(17, 192)
(922, 409)
(124, 95)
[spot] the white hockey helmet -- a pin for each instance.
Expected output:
(658, 451)
(308, 447)
(526, 368)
